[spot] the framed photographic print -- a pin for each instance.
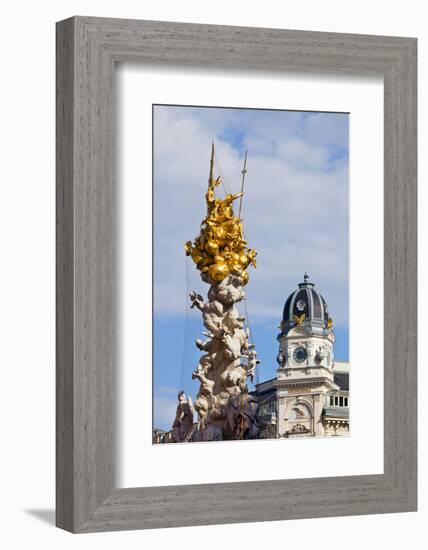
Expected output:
(236, 274)
(300, 180)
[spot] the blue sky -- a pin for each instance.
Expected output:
(295, 213)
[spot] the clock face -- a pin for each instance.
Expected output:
(299, 355)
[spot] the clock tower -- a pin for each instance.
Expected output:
(305, 375)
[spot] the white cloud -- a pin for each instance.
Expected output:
(295, 206)
(298, 154)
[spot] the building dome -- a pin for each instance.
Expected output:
(307, 308)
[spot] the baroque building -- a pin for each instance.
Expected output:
(309, 397)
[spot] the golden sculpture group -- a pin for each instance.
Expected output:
(220, 249)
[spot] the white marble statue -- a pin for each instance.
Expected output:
(183, 426)
(229, 359)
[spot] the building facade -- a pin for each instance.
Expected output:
(309, 397)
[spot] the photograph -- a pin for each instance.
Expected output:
(250, 274)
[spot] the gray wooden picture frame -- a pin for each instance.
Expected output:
(87, 51)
